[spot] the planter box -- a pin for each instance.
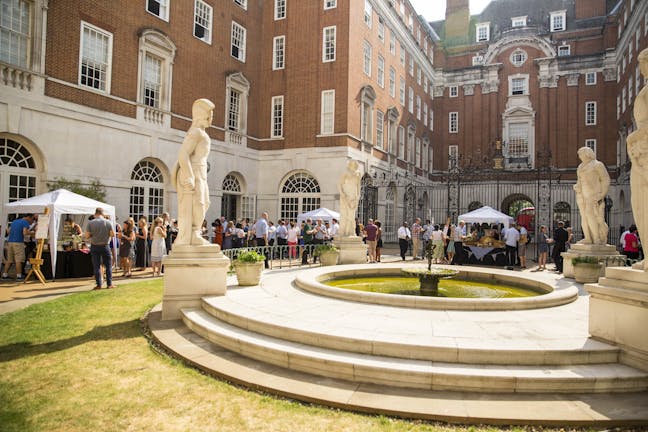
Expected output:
(329, 258)
(248, 273)
(587, 273)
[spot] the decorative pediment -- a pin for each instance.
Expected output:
(158, 41)
(368, 92)
(505, 43)
(238, 80)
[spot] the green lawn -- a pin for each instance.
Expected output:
(80, 363)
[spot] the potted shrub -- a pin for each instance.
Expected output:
(249, 266)
(327, 253)
(586, 269)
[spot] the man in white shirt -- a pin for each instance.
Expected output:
(335, 227)
(404, 236)
(459, 235)
(511, 238)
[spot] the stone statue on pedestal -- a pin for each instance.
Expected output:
(638, 152)
(349, 188)
(190, 176)
(591, 188)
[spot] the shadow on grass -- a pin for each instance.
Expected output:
(12, 418)
(116, 331)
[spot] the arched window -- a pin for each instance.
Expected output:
(231, 184)
(147, 191)
(234, 204)
(300, 193)
(16, 171)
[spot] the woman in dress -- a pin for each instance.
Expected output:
(228, 237)
(543, 248)
(127, 238)
(141, 244)
(451, 243)
(158, 246)
(438, 239)
(218, 233)
(379, 242)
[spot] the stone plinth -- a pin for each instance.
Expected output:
(352, 250)
(606, 253)
(618, 313)
(191, 273)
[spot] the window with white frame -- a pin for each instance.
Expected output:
(431, 119)
(417, 154)
(280, 9)
(453, 156)
(330, 4)
(590, 113)
(368, 11)
(299, 193)
(147, 191)
(380, 119)
(238, 41)
(518, 142)
(401, 96)
(419, 75)
(518, 85)
(242, 3)
(15, 32)
(618, 107)
(411, 135)
(328, 44)
(367, 100)
(646, 23)
(630, 43)
(278, 52)
(410, 23)
(152, 80)
(623, 64)
(159, 8)
(591, 143)
(392, 42)
(202, 21)
(518, 57)
(401, 142)
(381, 30)
(418, 107)
(425, 114)
(366, 55)
(234, 111)
(96, 58)
(483, 32)
(428, 153)
(381, 72)
(453, 91)
(425, 84)
(410, 101)
(327, 117)
(237, 91)
(557, 20)
(392, 82)
(564, 50)
(276, 128)
(520, 21)
(402, 55)
(411, 66)
(590, 78)
(453, 122)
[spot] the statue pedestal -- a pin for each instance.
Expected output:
(352, 250)
(618, 313)
(606, 253)
(191, 273)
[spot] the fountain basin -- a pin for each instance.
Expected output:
(312, 281)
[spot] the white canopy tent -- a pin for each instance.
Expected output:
(486, 214)
(321, 213)
(59, 202)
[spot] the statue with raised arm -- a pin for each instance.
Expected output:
(349, 188)
(638, 152)
(591, 188)
(190, 176)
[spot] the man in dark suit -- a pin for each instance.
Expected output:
(560, 239)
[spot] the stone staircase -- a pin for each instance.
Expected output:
(574, 365)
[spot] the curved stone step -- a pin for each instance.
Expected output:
(573, 351)
(395, 372)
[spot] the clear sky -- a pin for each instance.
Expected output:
(434, 10)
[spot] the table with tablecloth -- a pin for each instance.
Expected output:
(69, 264)
(485, 255)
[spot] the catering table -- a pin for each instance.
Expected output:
(485, 255)
(69, 264)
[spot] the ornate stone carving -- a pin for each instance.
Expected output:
(609, 74)
(548, 81)
(572, 79)
(469, 89)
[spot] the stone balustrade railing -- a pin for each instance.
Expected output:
(16, 77)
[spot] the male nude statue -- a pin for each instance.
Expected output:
(349, 188)
(638, 152)
(190, 176)
(591, 188)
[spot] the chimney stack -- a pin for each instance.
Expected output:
(456, 22)
(590, 9)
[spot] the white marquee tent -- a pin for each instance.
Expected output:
(59, 202)
(321, 213)
(486, 214)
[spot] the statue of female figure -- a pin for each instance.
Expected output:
(638, 152)
(591, 188)
(349, 188)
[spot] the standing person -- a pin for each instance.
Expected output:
(426, 235)
(459, 236)
(292, 239)
(438, 241)
(372, 239)
(379, 241)
(282, 234)
(158, 245)
(16, 245)
(631, 248)
(511, 239)
(404, 236)
(543, 247)
(417, 231)
(127, 238)
(229, 235)
(335, 228)
(261, 229)
(560, 239)
(168, 227)
(218, 233)
(141, 244)
(522, 242)
(307, 236)
(451, 244)
(100, 232)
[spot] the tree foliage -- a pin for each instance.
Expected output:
(94, 190)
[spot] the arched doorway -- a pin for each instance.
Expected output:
(521, 208)
(18, 171)
(230, 201)
(300, 193)
(147, 191)
(368, 205)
